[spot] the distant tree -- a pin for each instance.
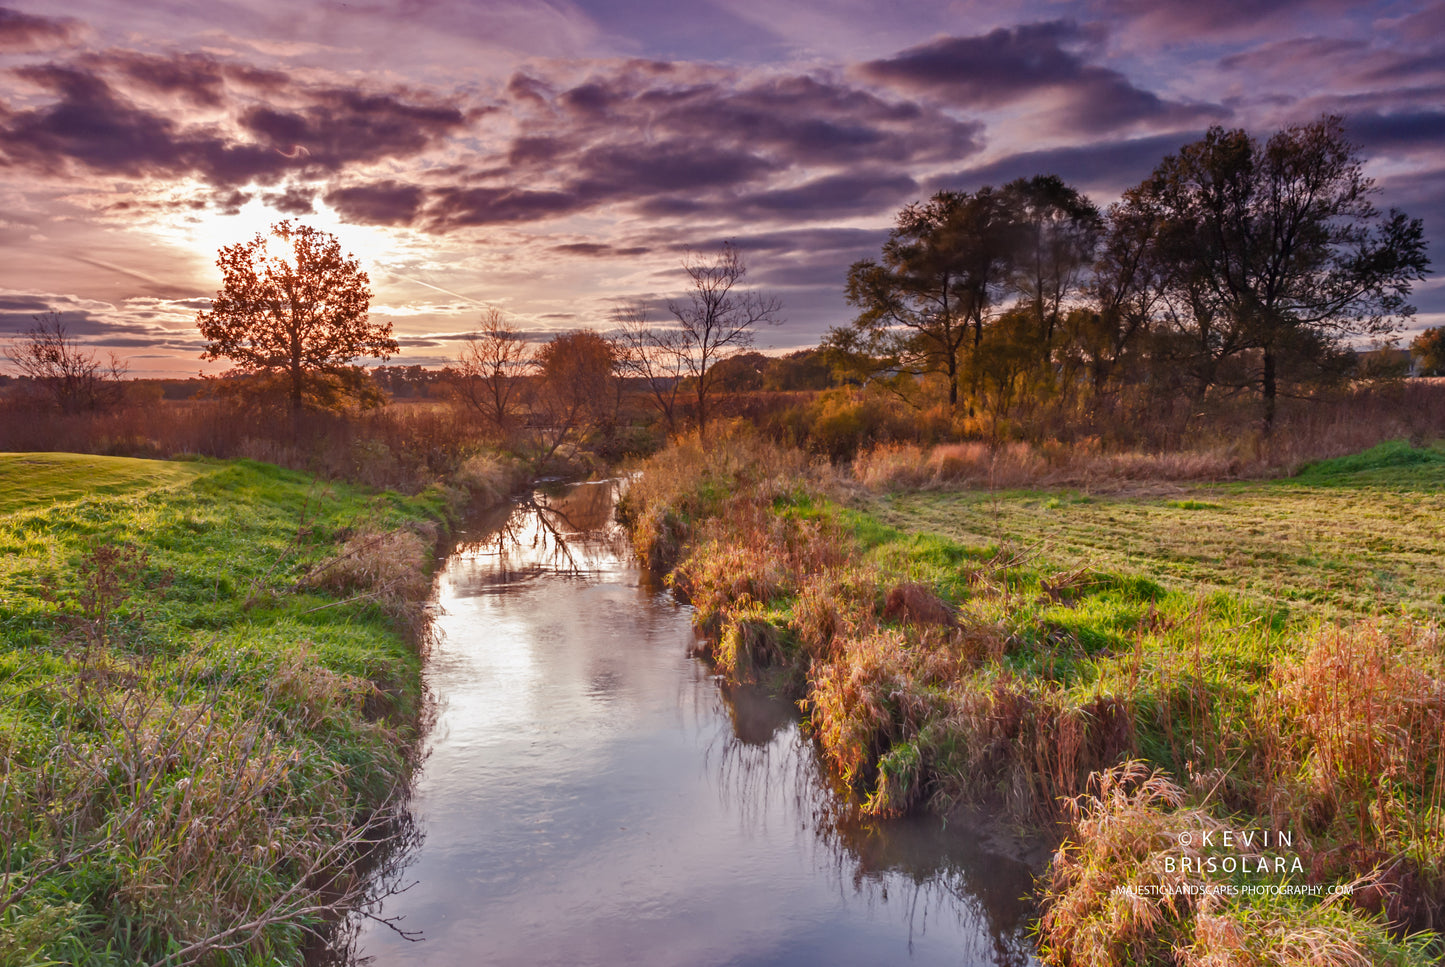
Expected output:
(489, 374)
(1428, 348)
(740, 373)
(1278, 249)
(293, 310)
(654, 356)
(716, 319)
(804, 369)
(74, 380)
(1125, 295)
(575, 389)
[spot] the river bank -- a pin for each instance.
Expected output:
(591, 794)
(935, 672)
(210, 675)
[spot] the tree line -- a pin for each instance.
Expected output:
(1236, 265)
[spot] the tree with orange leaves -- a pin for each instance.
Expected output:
(294, 311)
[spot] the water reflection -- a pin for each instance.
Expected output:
(765, 760)
(592, 795)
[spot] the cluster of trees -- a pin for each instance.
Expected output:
(292, 314)
(1237, 264)
(576, 384)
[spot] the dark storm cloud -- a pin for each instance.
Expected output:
(81, 324)
(1287, 56)
(1109, 166)
(795, 118)
(93, 125)
(818, 273)
(1009, 64)
(654, 138)
(620, 171)
(452, 208)
(989, 69)
(13, 304)
(1338, 63)
(23, 32)
(811, 240)
(293, 200)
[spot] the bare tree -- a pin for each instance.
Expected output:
(717, 318)
(75, 380)
(489, 373)
(653, 356)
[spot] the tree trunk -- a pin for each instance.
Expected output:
(701, 413)
(1269, 385)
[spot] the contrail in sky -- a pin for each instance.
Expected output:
(111, 266)
(407, 278)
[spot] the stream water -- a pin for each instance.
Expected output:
(591, 794)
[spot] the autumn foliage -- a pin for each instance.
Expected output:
(293, 311)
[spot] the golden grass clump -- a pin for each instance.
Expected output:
(1359, 718)
(1121, 833)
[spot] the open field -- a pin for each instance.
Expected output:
(207, 671)
(1361, 535)
(43, 479)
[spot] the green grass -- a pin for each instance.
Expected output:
(45, 479)
(1357, 535)
(295, 688)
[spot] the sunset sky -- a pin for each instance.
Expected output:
(553, 158)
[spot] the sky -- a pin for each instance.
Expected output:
(552, 159)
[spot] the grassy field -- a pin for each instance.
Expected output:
(44, 479)
(1362, 535)
(1126, 668)
(207, 673)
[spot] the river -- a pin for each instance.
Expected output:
(592, 795)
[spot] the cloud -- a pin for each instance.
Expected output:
(1405, 130)
(26, 33)
(1027, 61)
(1108, 166)
(860, 193)
(342, 126)
(1175, 21)
(199, 78)
(383, 203)
(600, 250)
(93, 126)
(677, 141)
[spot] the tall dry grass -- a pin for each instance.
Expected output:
(1348, 424)
(399, 447)
(1117, 893)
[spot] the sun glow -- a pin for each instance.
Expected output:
(207, 232)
